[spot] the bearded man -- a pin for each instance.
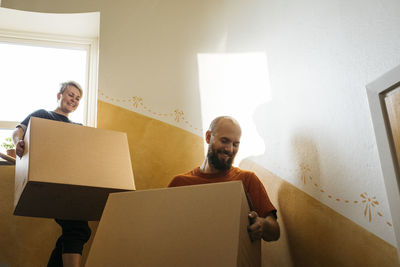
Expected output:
(223, 139)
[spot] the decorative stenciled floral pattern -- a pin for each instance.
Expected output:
(137, 103)
(370, 204)
(304, 170)
(178, 115)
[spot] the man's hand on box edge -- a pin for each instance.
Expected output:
(266, 228)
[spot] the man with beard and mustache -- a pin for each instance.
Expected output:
(223, 139)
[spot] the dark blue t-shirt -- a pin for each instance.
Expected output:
(44, 114)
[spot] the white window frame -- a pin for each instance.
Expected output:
(61, 41)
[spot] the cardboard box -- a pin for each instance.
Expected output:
(200, 225)
(68, 170)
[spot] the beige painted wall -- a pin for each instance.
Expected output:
(158, 150)
(313, 234)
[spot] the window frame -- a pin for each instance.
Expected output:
(67, 42)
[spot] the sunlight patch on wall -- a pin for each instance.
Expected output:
(235, 84)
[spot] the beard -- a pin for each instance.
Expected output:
(219, 164)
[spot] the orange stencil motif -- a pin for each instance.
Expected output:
(305, 172)
(138, 103)
(369, 203)
(178, 115)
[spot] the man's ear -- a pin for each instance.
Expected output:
(58, 96)
(208, 137)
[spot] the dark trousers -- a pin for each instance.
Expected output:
(74, 235)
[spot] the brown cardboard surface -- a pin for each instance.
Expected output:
(202, 225)
(68, 170)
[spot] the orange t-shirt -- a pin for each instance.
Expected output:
(251, 183)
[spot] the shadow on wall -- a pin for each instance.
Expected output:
(307, 158)
(312, 234)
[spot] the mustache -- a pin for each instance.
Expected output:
(225, 152)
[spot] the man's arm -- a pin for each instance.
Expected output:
(18, 139)
(266, 228)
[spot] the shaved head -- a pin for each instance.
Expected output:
(216, 122)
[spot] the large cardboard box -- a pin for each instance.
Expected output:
(68, 170)
(200, 225)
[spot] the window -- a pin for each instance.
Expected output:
(38, 51)
(30, 78)
(31, 72)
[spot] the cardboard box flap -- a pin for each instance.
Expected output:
(78, 155)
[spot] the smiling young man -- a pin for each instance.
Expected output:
(223, 139)
(75, 234)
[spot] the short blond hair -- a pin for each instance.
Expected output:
(64, 86)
